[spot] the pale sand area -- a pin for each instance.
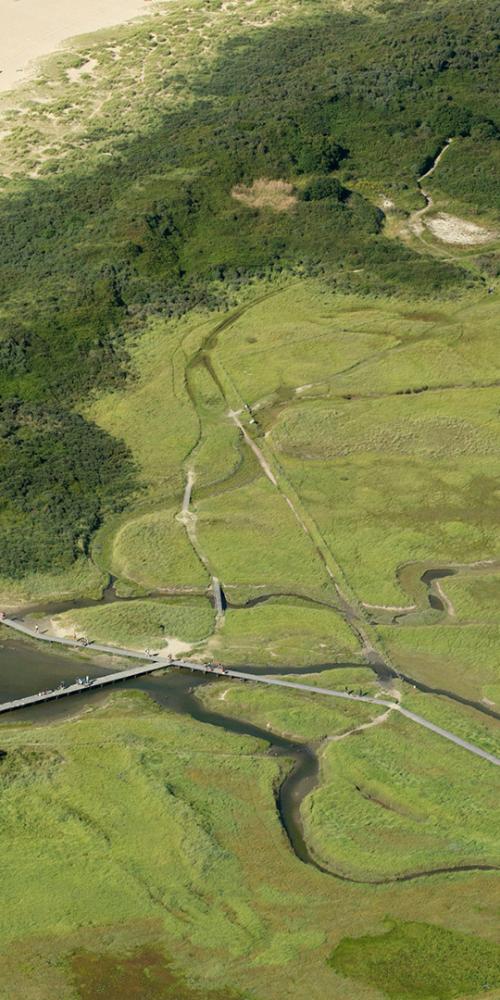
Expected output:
(451, 229)
(30, 29)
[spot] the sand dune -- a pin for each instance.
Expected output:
(30, 29)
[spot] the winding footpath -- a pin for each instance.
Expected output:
(156, 662)
(415, 220)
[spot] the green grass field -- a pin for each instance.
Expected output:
(83, 579)
(153, 415)
(146, 309)
(153, 551)
(302, 335)
(382, 809)
(283, 632)
(132, 837)
(141, 623)
(462, 660)
(475, 597)
(397, 480)
(303, 717)
(255, 543)
(467, 722)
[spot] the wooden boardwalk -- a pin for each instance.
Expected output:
(156, 662)
(98, 682)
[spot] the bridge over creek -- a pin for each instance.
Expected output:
(156, 662)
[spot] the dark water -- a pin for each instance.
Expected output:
(24, 669)
(413, 575)
(428, 578)
(109, 596)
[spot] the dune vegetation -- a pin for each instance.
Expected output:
(232, 352)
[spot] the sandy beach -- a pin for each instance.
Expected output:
(30, 29)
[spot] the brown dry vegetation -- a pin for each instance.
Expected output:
(277, 195)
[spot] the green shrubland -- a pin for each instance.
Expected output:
(61, 475)
(152, 229)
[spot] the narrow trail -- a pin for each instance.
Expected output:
(389, 607)
(188, 489)
(264, 464)
(354, 396)
(365, 725)
(415, 221)
(445, 600)
(188, 519)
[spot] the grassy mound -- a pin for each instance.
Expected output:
(142, 623)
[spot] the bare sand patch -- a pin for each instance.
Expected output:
(176, 647)
(67, 630)
(451, 229)
(172, 646)
(276, 195)
(77, 73)
(31, 29)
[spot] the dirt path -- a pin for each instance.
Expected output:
(438, 589)
(264, 464)
(389, 607)
(415, 221)
(367, 725)
(358, 729)
(188, 518)
(188, 489)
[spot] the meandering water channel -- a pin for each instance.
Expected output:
(24, 668)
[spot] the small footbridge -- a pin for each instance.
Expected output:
(156, 662)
